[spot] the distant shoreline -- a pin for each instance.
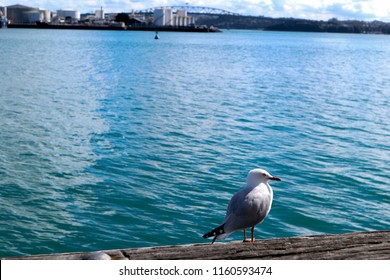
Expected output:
(294, 25)
(235, 22)
(115, 28)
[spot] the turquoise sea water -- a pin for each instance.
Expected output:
(115, 140)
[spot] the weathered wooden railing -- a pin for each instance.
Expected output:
(361, 245)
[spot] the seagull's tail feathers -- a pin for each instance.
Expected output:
(218, 233)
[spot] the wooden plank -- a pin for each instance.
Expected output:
(362, 245)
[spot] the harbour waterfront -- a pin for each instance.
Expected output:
(114, 139)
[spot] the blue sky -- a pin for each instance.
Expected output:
(313, 9)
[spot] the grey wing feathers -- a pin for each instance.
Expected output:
(244, 212)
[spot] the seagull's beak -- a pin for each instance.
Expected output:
(275, 179)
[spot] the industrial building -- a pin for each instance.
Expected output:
(73, 14)
(163, 17)
(99, 14)
(181, 18)
(19, 14)
(33, 16)
(46, 14)
(166, 17)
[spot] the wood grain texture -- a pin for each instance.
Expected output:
(355, 246)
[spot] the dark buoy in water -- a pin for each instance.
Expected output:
(156, 37)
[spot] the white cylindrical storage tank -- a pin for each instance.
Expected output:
(74, 14)
(46, 15)
(174, 20)
(168, 17)
(177, 20)
(159, 17)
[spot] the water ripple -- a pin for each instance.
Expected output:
(129, 142)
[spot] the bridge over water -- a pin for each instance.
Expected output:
(190, 10)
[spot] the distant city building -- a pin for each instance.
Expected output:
(166, 17)
(73, 14)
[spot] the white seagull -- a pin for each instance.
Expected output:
(248, 207)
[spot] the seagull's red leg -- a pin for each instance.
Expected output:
(245, 240)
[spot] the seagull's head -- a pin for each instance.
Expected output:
(258, 176)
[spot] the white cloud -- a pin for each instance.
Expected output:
(314, 9)
(360, 9)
